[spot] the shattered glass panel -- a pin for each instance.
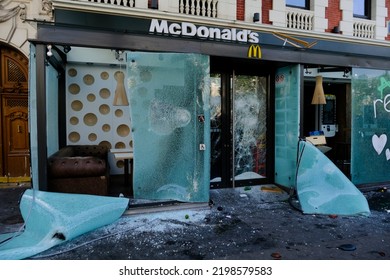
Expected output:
(287, 94)
(215, 128)
(323, 189)
(53, 218)
(249, 123)
(169, 105)
(370, 126)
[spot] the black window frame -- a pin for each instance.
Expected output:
(305, 7)
(367, 10)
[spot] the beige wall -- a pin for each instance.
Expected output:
(16, 27)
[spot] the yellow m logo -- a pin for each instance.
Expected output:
(254, 51)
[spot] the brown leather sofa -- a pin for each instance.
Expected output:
(80, 169)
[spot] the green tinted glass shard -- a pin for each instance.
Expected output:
(53, 218)
(323, 189)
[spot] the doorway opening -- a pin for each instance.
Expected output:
(239, 119)
(333, 119)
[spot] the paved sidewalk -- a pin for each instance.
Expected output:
(241, 223)
(10, 195)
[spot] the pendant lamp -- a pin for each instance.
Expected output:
(318, 96)
(120, 98)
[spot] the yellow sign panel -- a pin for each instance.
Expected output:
(254, 51)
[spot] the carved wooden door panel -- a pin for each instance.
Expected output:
(14, 136)
(16, 146)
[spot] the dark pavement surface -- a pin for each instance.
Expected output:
(242, 223)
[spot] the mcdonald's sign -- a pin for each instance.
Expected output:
(254, 51)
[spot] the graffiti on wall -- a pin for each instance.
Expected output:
(379, 142)
(370, 126)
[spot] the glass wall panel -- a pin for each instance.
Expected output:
(52, 109)
(169, 104)
(32, 115)
(287, 114)
(370, 126)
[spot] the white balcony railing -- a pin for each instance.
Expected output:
(122, 3)
(364, 28)
(206, 8)
(299, 19)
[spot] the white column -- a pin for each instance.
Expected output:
(278, 13)
(320, 20)
(379, 13)
(141, 4)
(171, 6)
(346, 23)
(227, 9)
(252, 7)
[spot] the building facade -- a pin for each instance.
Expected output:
(220, 92)
(14, 48)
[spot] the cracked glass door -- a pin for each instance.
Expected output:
(238, 129)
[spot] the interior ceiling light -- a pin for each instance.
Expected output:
(49, 53)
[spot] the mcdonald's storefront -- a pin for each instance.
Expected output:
(210, 105)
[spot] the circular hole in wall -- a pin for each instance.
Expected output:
(119, 75)
(131, 143)
(106, 144)
(77, 105)
(74, 120)
(120, 145)
(120, 164)
(72, 72)
(91, 97)
(104, 75)
(106, 127)
(104, 109)
(105, 93)
(118, 113)
(88, 79)
(74, 88)
(123, 130)
(90, 119)
(92, 137)
(74, 136)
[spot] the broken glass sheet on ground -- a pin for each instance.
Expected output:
(53, 218)
(322, 188)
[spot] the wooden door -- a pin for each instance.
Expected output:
(15, 136)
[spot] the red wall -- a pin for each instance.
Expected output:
(240, 10)
(265, 8)
(333, 14)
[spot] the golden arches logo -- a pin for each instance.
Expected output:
(254, 51)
